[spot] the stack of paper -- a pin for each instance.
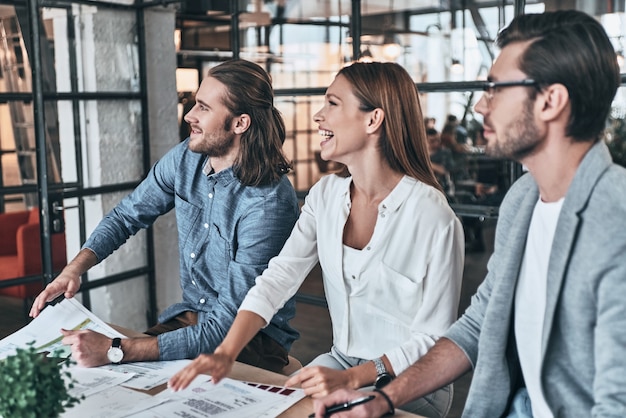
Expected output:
(119, 390)
(45, 330)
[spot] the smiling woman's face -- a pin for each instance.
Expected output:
(341, 123)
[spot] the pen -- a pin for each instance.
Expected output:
(345, 406)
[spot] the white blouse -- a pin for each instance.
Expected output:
(406, 291)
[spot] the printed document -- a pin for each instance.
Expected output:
(228, 399)
(45, 330)
(117, 391)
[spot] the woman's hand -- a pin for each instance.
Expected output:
(318, 381)
(217, 365)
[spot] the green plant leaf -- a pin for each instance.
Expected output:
(31, 385)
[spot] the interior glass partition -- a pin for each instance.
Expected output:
(303, 45)
(90, 148)
(446, 46)
(93, 141)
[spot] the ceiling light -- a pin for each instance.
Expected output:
(620, 59)
(366, 55)
(391, 47)
(456, 67)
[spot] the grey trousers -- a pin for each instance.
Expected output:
(434, 405)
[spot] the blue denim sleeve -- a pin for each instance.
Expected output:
(153, 197)
(261, 232)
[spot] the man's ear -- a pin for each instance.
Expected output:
(375, 120)
(554, 102)
(241, 123)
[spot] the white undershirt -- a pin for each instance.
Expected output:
(530, 300)
(353, 261)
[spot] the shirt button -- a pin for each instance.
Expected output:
(210, 195)
(368, 248)
(192, 255)
(202, 300)
(384, 206)
(382, 215)
(206, 225)
(353, 277)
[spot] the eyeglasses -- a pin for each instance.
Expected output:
(491, 87)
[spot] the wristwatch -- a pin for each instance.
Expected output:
(383, 377)
(115, 353)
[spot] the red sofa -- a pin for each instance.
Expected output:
(20, 251)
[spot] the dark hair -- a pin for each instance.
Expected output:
(431, 131)
(389, 87)
(571, 48)
(249, 90)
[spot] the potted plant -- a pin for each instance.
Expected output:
(32, 385)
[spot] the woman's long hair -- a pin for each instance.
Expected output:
(389, 87)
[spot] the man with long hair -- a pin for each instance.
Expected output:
(544, 333)
(234, 209)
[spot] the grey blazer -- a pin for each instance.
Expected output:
(583, 370)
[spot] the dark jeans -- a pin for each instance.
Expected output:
(262, 351)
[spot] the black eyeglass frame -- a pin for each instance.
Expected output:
(489, 87)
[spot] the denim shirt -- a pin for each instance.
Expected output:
(227, 233)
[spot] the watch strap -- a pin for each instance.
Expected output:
(117, 342)
(380, 366)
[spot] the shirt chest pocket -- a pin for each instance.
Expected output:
(219, 248)
(393, 296)
(198, 236)
(187, 218)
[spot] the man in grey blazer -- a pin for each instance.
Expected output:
(546, 331)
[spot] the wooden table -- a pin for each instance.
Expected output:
(247, 373)
(302, 408)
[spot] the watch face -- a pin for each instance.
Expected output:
(115, 354)
(383, 380)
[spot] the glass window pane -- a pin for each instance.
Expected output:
(91, 49)
(616, 130)
(118, 156)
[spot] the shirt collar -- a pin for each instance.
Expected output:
(207, 169)
(399, 194)
(224, 177)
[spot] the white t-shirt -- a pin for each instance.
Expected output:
(353, 262)
(530, 300)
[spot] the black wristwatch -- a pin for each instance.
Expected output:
(383, 376)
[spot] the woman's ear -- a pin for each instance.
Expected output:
(375, 120)
(241, 123)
